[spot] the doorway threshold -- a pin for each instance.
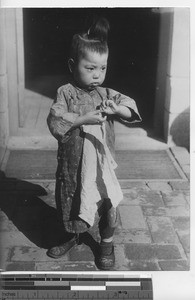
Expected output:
(122, 142)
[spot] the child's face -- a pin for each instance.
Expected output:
(90, 70)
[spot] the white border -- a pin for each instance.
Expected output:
(93, 3)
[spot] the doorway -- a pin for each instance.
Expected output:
(133, 43)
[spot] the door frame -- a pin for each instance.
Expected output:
(15, 68)
(16, 73)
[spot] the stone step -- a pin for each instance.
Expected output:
(123, 142)
(125, 130)
(135, 142)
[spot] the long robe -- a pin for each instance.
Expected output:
(70, 103)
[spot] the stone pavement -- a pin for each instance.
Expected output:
(154, 232)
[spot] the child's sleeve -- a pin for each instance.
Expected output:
(59, 119)
(121, 99)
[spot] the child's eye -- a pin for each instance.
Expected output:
(103, 68)
(90, 69)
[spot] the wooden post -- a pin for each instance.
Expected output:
(164, 54)
(4, 124)
(15, 68)
(20, 65)
(172, 94)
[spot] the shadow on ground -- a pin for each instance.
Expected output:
(33, 217)
(20, 201)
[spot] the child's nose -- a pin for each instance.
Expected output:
(96, 75)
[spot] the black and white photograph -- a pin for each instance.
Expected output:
(95, 139)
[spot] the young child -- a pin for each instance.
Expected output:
(82, 120)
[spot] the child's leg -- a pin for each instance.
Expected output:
(108, 222)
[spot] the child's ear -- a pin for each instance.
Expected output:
(71, 64)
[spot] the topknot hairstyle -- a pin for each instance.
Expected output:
(99, 29)
(94, 39)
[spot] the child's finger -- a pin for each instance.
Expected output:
(107, 110)
(102, 119)
(97, 112)
(110, 103)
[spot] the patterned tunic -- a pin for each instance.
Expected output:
(70, 103)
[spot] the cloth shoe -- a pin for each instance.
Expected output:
(62, 249)
(106, 259)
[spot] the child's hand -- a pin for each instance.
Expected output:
(109, 107)
(94, 117)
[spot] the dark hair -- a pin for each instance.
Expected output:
(95, 39)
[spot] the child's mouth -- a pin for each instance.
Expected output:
(95, 84)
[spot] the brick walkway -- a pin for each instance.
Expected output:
(154, 233)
